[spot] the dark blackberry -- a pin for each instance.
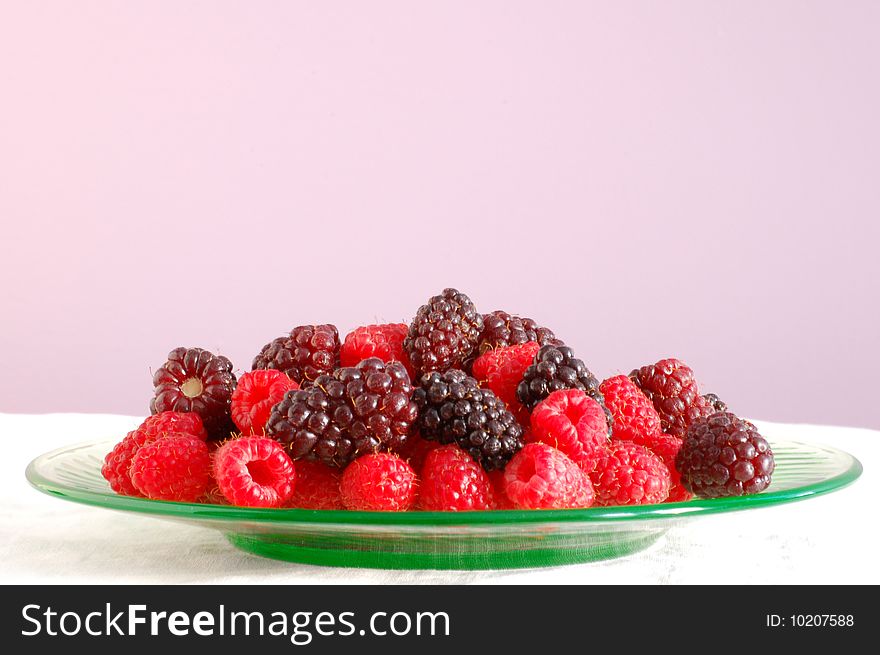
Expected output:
(723, 455)
(715, 402)
(307, 352)
(357, 410)
(454, 409)
(555, 368)
(444, 332)
(672, 388)
(500, 329)
(195, 380)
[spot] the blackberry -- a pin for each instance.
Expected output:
(340, 416)
(307, 352)
(454, 409)
(555, 368)
(723, 455)
(500, 329)
(196, 380)
(715, 402)
(671, 387)
(444, 333)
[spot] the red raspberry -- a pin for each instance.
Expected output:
(541, 477)
(630, 474)
(174, 467)
(317, 486)
(496, 477)
(502, 369)
(254, 472)
(636, 420)
(416, 449)
(723, 455)
(164, 423)
(453, 482)
(255, 395)
(382, 341)
(666, 447)
(670, 386)
(117, 464)
(633, 413)
(573, 422)
(379, 482)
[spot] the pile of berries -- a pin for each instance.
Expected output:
(454, 411)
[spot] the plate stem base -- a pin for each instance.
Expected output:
(273, 547)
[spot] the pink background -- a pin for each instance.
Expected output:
(696, 179)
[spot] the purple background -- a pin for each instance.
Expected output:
(697, 179)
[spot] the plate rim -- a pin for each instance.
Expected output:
(231, 513)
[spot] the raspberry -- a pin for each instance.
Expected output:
(502, 369)
(117, 464)
(255, 395)
(354, 411)
(117, 467)
(630, 474)
(496, 477)
(715, 403)
(195, 380)
(636, 420)
(542, 477)
(378, 482)
(443, 333)
(666, 447)
(555, 368)
(454, 409)
(174, 467)
(724, 455)
(670, 386)
(500, 330)
(570, 421)
(416, 449)
(164, 423)
(633, 413)
(382, 341)
(254, 472)
(453, 482)
(307, 352)
(317, 486)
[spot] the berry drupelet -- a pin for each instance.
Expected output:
(307, 352)
(357, 410)
(195, 380)
(454, 409)
(444, 333)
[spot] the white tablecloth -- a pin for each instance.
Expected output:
(829, 539)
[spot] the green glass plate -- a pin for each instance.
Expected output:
(444, 540)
